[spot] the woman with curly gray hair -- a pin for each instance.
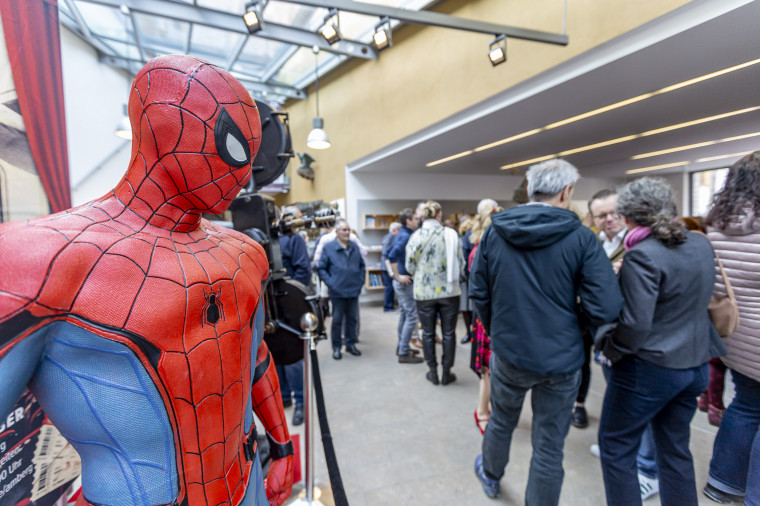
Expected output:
(660, 348)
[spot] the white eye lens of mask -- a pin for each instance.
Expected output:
(234, 148)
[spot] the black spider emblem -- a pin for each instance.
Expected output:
(213, 310)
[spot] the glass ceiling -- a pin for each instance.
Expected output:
(274, 67)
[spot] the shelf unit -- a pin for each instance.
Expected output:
(377, 221)
(374, 279)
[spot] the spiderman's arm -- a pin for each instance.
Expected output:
(267, 404)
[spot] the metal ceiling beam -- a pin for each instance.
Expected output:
(136, 31)
(129, 64)
(436, 19)
(181, 11)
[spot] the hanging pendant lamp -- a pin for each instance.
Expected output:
(317, 138)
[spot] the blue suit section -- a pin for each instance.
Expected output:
(102, 400)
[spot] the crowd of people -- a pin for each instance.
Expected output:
(543, 295)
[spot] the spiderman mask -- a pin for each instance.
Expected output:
(196, 131)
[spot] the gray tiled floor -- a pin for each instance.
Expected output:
(400, 440)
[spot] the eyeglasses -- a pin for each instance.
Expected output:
(604, 216)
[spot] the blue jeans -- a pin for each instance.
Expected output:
(388, 299)
(552, 400)
(344, 311)
(291, 381)
(407, 317)
(738, 442)
(641, 393)
(646, 458)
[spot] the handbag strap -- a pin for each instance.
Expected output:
(729, 289)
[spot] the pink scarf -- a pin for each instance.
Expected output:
(635, 236)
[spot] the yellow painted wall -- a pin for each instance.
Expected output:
(431, 73)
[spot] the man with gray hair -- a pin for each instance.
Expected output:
(532, 265)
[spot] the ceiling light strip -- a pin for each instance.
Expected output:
(713, 158)
(657, 167)
(694, 146)
(614, 106)
(448, 158)
(634, 136)
(687, 162)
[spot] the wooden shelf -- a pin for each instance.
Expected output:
(377, 221)
(373, 279)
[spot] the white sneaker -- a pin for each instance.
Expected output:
(594, 450)
(648, 486)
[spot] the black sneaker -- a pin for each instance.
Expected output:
(353, 350)
(722, 497)
(448, 377)
(579, 418)
(336, 354)
(409, 358)
(432, 377)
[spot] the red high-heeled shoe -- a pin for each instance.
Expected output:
(480, 422)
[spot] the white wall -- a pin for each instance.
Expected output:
(398, 186)
(94, 97)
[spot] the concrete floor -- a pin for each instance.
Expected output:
(401, 440)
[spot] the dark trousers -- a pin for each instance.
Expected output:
(388, 284)
(638, 393)
(552, 401)
(429, 310)
(588, 343)
(345, 319)
(735, 464)
(291, 381)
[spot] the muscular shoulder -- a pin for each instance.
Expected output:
(32, 249)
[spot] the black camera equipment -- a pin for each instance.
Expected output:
(286, 300)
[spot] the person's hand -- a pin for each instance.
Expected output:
(404, 279)
(279, 480)
(617, 265)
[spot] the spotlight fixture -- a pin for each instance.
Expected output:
(382, 37)
(329, 30)
(497, 50)
(252, 17)
(317, 138)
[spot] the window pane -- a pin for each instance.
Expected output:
(704, 185)
(213, 44)
(162, 35)
(106, 21)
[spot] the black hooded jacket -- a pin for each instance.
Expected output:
(532, 265)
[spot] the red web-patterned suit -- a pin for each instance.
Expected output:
(138, 280)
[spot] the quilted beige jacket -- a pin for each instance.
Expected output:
(739, 248)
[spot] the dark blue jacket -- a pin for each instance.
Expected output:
(342, 269)
(467, 248)
(397, 253)
(532, 264)
(295, 258)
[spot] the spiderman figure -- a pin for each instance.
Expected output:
(138, 325)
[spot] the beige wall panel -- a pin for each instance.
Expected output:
(431, 73)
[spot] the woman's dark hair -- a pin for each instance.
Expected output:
(649, 202)
(740, 194)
